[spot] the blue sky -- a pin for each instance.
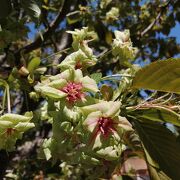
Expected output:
(175, 32)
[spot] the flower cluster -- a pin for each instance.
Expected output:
(86, 126)
(106, 128)
(122, 46)
(70, 84)
(12, 127)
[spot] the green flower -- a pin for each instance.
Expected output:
(12, 127)
(70, 85)
(122, 45)
(113, 14)
(77, 60)
(80, 41)
(106, 128)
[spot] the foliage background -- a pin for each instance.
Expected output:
(31, 29)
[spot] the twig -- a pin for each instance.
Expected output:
(155, 20)
(151, 25)
(52, 27)
(104, 54)
(54, 54)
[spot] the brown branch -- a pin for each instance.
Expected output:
(147, 29)
(64, 9)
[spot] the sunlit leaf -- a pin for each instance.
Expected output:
(161, 75)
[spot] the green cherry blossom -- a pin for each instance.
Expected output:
(70, 85)
(122, 45)
(77, 60)
(12, 127)
(106, 128)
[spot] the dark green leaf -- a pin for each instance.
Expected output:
(162, 146)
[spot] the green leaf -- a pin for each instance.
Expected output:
(157, 113)
(46, 148)
(3, 83)
(96, 76)
(32, 9)
(162, 146)
(33, 64)
(161, 75)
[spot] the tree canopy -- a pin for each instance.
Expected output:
(75, 96)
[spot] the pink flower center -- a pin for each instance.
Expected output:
(105, 126)
(74, 92)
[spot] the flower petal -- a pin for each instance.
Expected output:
(58, 84)
(16, 118)
(78, 75)
(24, 126)
(123, 124)
(89, 84)
(91, 120)
(51, 92)
(108, 108)
(110, 153)
(114, 109)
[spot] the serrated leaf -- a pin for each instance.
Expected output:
(162, 146)
(161, 75)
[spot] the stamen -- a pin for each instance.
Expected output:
(74, 92)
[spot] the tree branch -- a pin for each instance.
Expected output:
(64, 9)
(147, 29)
